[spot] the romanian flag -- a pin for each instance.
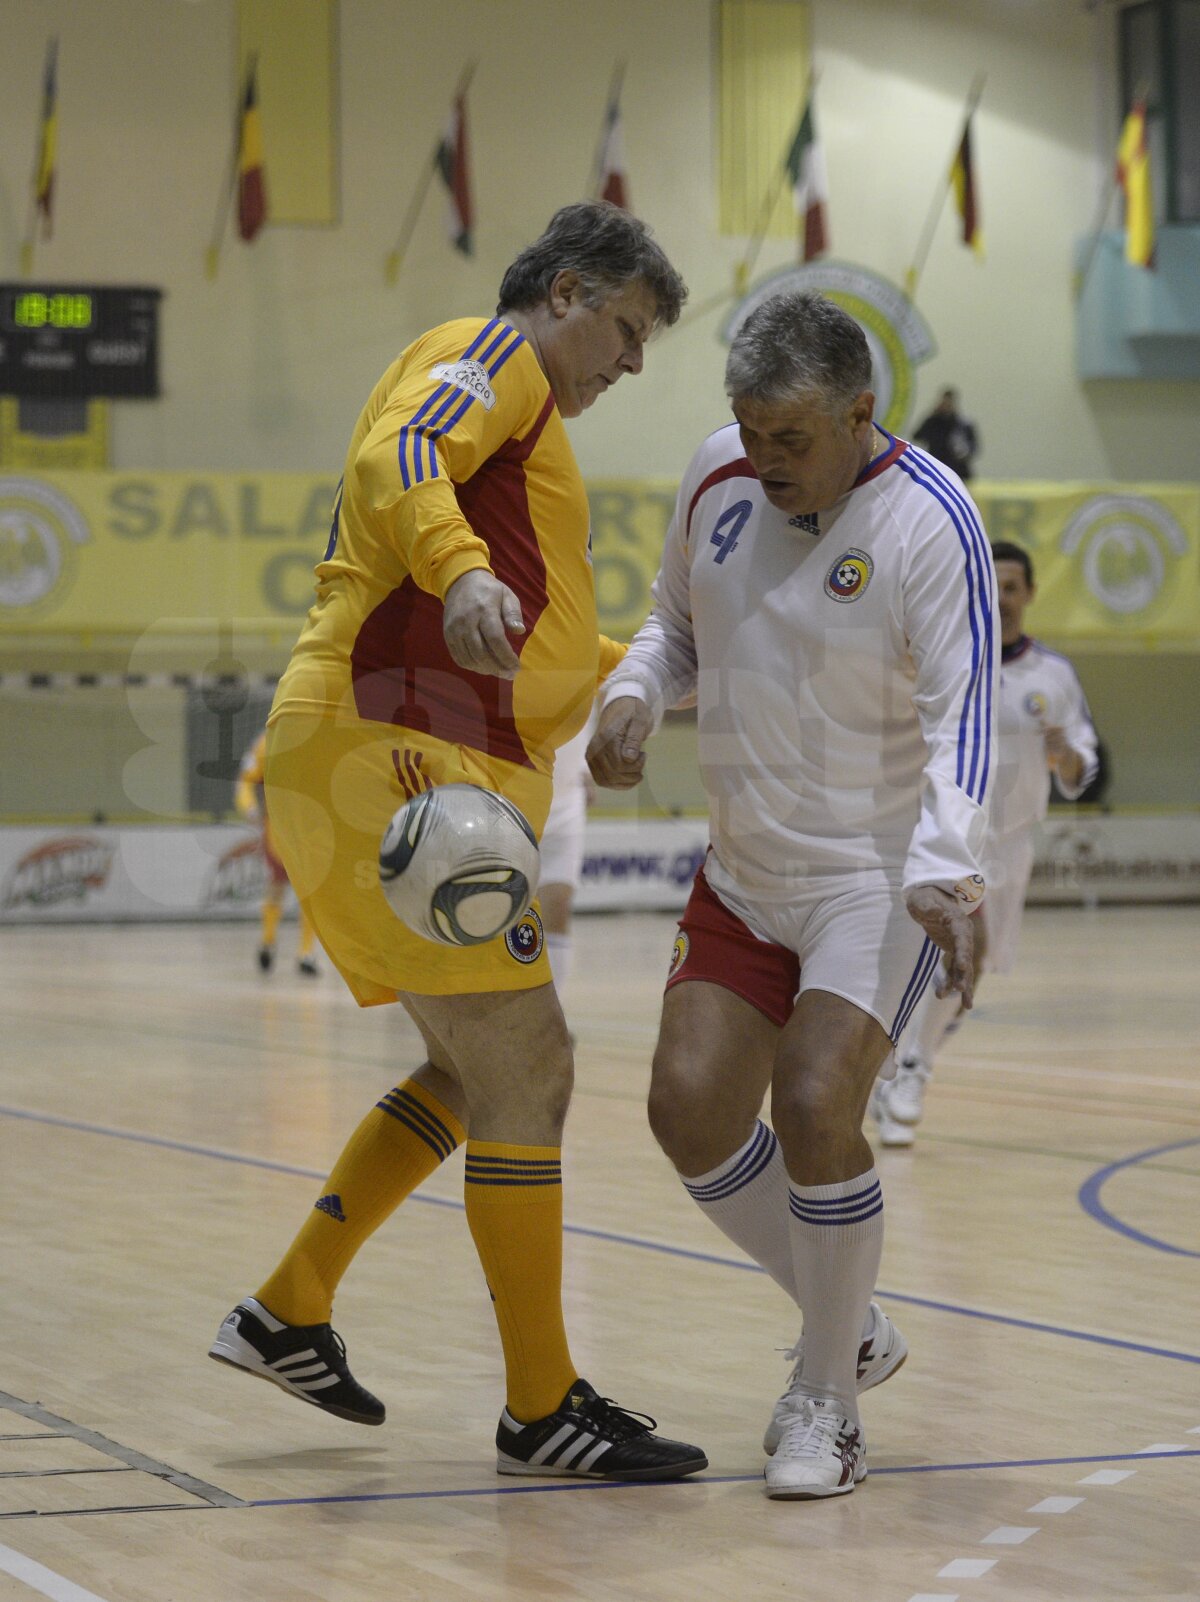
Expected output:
(455, 173)
(962, 176)
(43, 179)
(611, 180)
(252, 188)
(1133, 174)
(810, 186)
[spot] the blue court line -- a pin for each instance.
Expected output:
(708, 1479)
(1089, 1198)
(613, 1238)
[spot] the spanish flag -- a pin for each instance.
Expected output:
(43, 179)
(1133, 174)
(962, 177)
(252, 189)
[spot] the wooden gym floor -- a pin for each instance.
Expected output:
(167, 1114)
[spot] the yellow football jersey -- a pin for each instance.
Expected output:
(459, 460)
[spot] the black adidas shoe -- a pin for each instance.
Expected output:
(307, 1360)
(590, 1436)
(266, 956)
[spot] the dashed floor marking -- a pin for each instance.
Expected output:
(932, 1596)
(1055, 1504)
(966, 1568)
(1107, 1477)
(1160, 1446)
(1010, 1535)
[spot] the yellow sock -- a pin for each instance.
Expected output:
(400, 1142)
(306, 936)
(514, 1209)
(271, 911)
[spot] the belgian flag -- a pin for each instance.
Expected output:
(43, 178)
(962, 177)
(252, 187)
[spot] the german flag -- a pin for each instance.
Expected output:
(962, 176)
(43, 178)
(252, 188)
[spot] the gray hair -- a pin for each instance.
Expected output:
(800, 347)
(607, 247)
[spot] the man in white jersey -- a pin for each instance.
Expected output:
(826, 591)
(1044, 728)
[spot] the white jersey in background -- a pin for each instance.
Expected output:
(848, 719)
(1038, 690)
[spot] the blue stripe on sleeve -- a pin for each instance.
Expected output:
(417, 473)
(974, 754)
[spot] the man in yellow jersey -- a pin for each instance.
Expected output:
(250, 801)
(454, 639)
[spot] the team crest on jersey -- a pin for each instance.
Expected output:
(1035, 704)
(849, 576)
(468, 376)
(970, 890)
(525, 939)
(678, 954)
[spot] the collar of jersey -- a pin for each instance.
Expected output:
(1010, 653)
(894, 449)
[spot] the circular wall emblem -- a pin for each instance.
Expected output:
(1124, 543)
(525, 939)
(898, 337)
(849, 576)
(39, 530)
(679, 953)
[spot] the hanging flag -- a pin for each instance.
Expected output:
(611, 179)
(43, 180)
(452, 165)
(962, 177)
(251, 179)
(1133, 175)
(810, 187)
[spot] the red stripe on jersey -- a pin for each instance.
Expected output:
(739, 469)
(881, 463)
(401, 669)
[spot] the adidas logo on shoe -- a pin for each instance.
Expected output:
(589, 1436)
(331, 1205)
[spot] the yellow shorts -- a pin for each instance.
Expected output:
(332, 788)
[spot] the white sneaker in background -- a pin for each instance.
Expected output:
(905, 1100)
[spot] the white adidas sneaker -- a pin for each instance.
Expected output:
(821, 1452)
(882, 1351)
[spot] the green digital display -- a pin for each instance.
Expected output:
(33, 309)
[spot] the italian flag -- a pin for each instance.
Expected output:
(810, 187)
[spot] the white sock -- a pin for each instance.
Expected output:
(746, 1197)
(930, 1025)
(558, 949)
(837, 1242)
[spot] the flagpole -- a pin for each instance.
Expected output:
(391, 266)
(616, 84)
(212, 256)
(1141, 94)
(744, 268)
(27, 244)
(925, 244)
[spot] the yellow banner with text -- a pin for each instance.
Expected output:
(126, 552)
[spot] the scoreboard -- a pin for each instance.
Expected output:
(78, 341)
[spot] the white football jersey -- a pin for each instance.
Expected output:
(1038, 690)
(845, 670)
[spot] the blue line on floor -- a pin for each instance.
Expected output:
(1089, 1198)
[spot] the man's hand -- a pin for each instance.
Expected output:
(615, 753)
(1062, 757)
(949, 925)
(478, 615)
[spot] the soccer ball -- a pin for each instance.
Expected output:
(459, 864)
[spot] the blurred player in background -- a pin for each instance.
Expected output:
(948, 436)
(250, 802)
(562, 851)
(454, 640)
(827, 590)
(1044, 730)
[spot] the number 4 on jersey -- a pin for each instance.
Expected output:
(733, 520)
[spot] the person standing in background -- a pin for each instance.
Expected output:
(948, 436)
(1044, 731)
(250, 802)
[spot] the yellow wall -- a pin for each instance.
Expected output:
(267, 368)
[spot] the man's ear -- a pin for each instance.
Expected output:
(565, 289)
